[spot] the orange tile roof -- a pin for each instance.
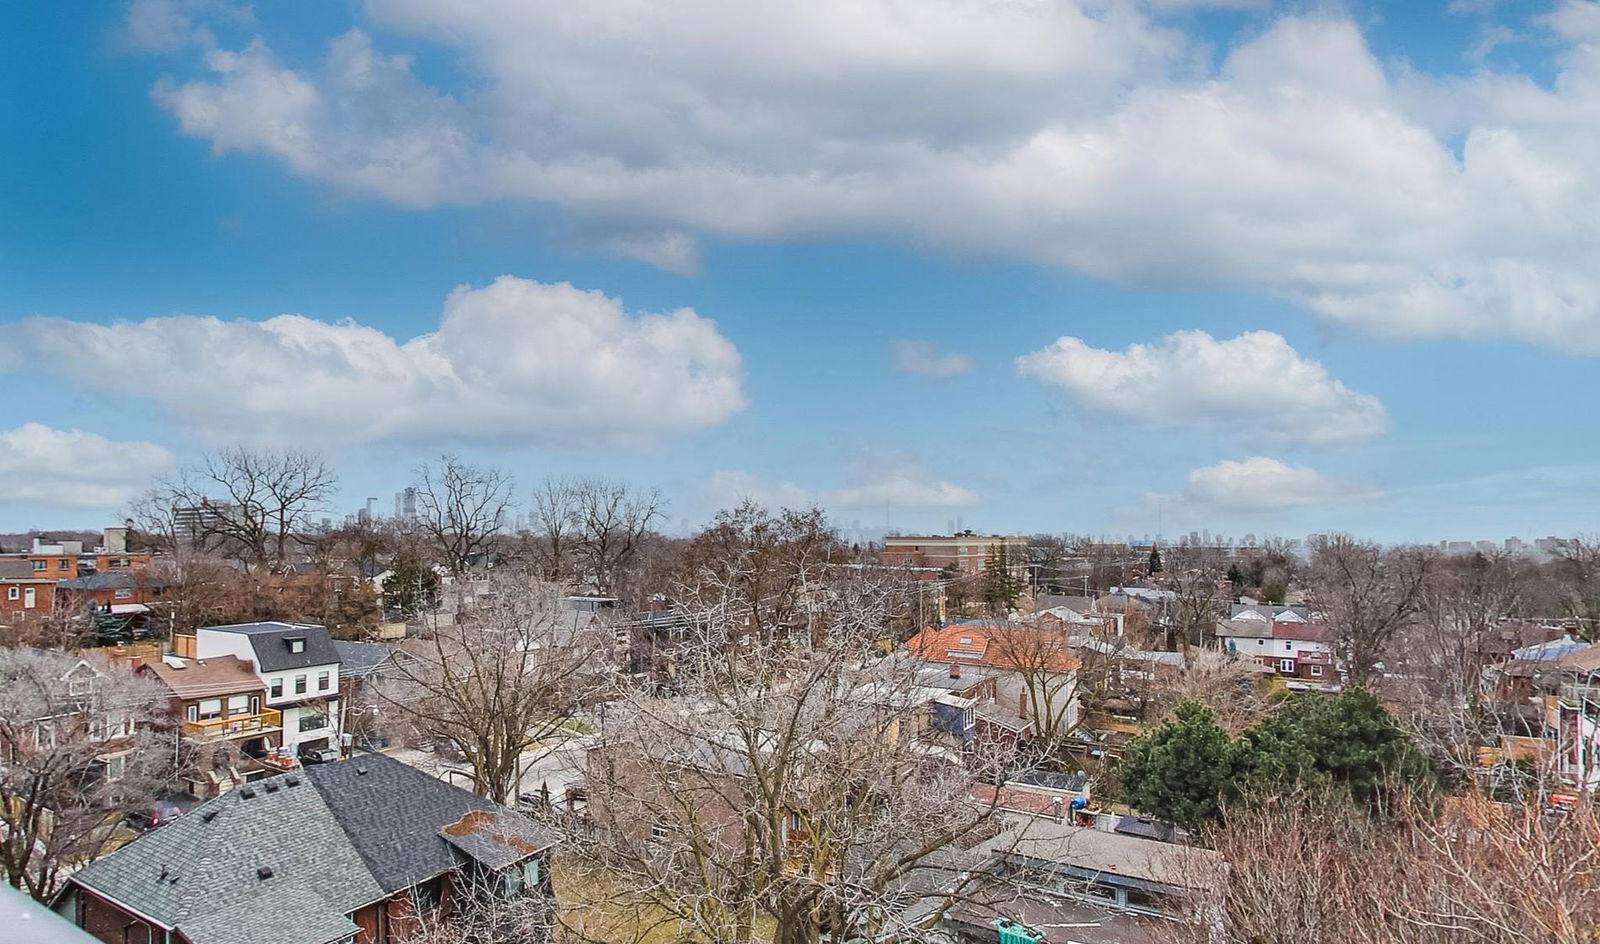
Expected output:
(1006, 646)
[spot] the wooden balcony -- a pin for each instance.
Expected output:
(269, 719)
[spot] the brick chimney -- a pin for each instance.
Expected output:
(955, 670)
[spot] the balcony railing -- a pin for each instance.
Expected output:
(268, 719)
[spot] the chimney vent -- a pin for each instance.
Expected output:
(264, 872)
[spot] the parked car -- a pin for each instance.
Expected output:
(158, 813)
(318, 755)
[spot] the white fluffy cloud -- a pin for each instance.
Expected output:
(73, 468)
(513, 361)
(903, 486)
(1253, 385)
(1259, 483)
(1088, 135)
(920, 358)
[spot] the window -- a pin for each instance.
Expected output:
(1261, 642)
(116, 765)
(121, 593)
(39, 565)
(1316, 670)
(13, 593)
(297, 645)
(192, 713)
(658, 831)
(324, 680)
(1286, 665)
(29, 598)
(277, 688)
(426, 896)
(238, 704)
(299, 684)
(62, 564)
(1288, 646)
(210, 708)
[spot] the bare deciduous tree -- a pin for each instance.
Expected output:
(1308, 869)
(785, 797)
(1576, 573)
(77, 749)
(768, 567)
(245, 504)
(461, 508)
(1365, 594)
(1050, 678)
(611, 519)
(502, 680)
(555, 527)
(1196, 576)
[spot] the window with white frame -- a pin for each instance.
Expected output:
(210, 708)
(238, 704)
(1316, 670)
(658, 831)
(1288, 646)
(1285, 665)
(13, 593)
(324, 680)
(121, 593)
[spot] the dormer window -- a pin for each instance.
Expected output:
(297, 645)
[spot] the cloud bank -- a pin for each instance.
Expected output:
(512, 361)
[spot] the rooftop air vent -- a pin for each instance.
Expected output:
(264, 872)
(361, 771)
(209, 815)
(247, 793)
(271, 785)
(293, 780)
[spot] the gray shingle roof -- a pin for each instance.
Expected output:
(360, 659)
(496, 839)
(271, 644)
(291, 912)
(206, 861)
(336, 837)
(393, 814)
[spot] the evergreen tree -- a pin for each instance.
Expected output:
(1001, 586)
(1348, 742)
(1235, 577)
(411, 586)
(1183, 771)
(1155, 560)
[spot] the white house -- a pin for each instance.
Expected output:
(1298, 649)
(300, 667)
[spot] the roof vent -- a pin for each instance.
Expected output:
(247, 793)
(271, 785)
(293, 780)
(209, 815)
(361, 771)
(264, 872)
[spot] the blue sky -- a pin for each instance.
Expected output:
(1316, 266)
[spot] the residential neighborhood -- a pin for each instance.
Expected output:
(209, 782)
(800, 472)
